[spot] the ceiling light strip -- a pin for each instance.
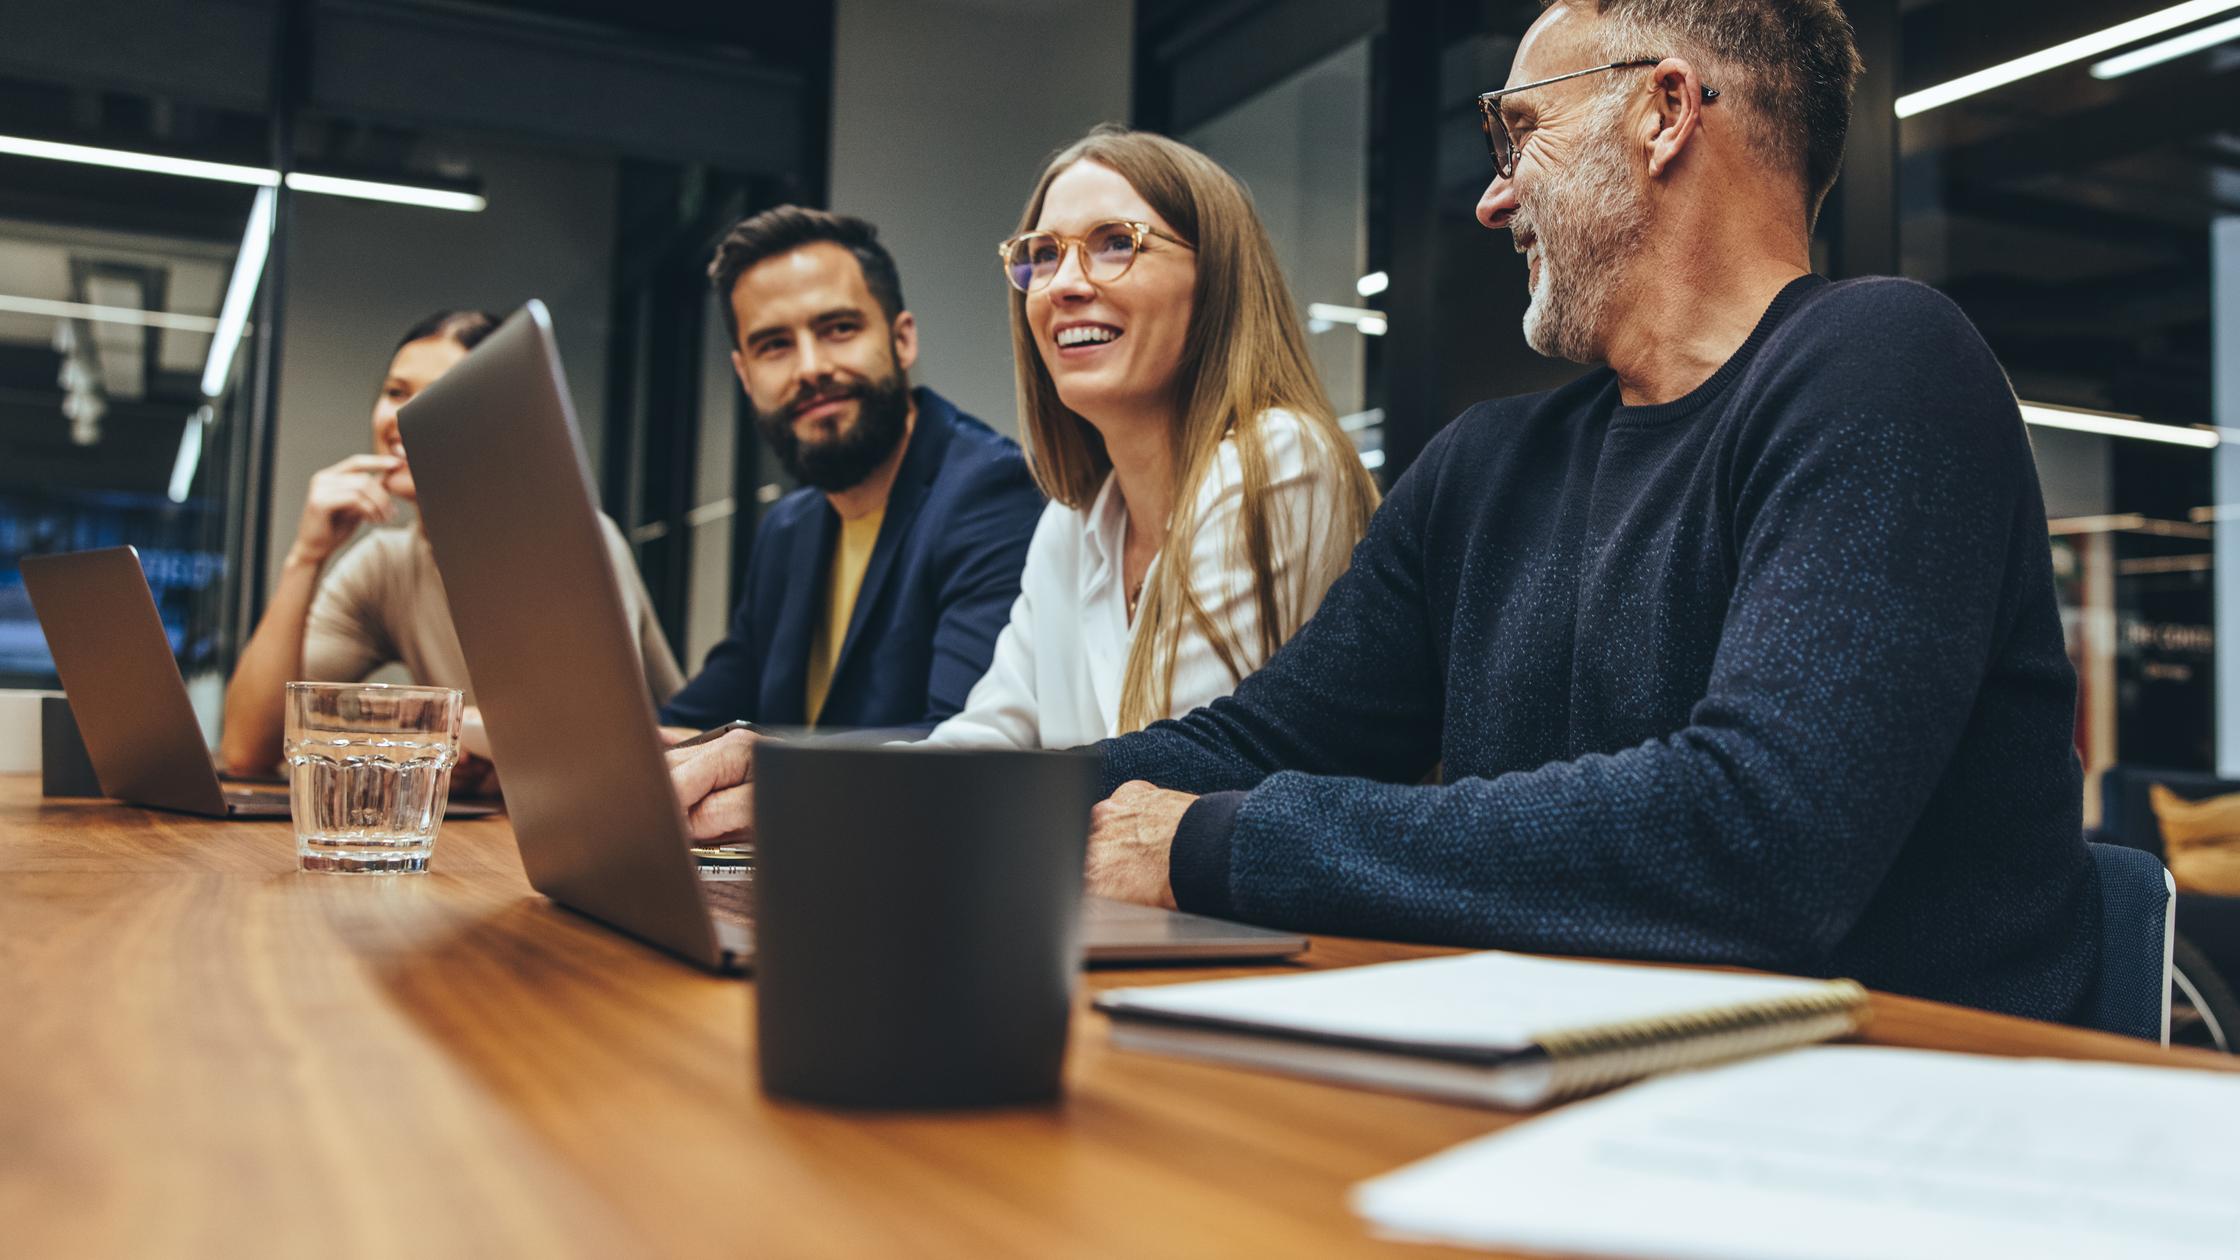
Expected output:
(370, 190)
(2168, 50)
(2062, 54)
(189, 458)
(106, 314)
(126, 160)
(2111, 425)
(254, 176)
(233, 317)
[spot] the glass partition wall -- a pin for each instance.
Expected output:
(212, 236)
(2063, 168)
(1301, 146)
(130, 361)
(2068, 172)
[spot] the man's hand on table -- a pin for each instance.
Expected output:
(1130, 835)
(715, 784)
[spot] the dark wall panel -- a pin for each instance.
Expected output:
(425, 67)
(212, 52)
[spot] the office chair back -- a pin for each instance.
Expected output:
(2137, 901)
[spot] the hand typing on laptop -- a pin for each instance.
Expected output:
(715, 785)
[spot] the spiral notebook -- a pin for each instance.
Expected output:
(1491, 1028)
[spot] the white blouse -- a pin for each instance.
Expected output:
(1055, 680)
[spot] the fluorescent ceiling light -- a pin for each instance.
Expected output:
(401, 194)
(107, 314)
(233, 317)
(126, 160)
(1372, 284)
(1365, 321)
(2168, 50)
(190, 454)
(2110, 424)
(2062, 54)
(1373, 459)
(255, 176)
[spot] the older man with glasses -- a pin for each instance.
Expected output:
(1743, 648)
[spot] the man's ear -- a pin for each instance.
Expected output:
(1675, 110)
(905, 340)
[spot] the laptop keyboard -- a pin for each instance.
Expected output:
(730, 896)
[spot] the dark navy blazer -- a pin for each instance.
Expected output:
(939, 589)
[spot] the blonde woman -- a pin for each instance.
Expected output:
(1202, 496)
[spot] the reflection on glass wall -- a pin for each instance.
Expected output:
(2068, 208)
(404, 158)
(120, 382)
(1302, 148)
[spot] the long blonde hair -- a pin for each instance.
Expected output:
(1243, 355)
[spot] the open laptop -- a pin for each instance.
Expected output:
(126, 694)
(505, 498)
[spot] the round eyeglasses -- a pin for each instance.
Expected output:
(1031, 259)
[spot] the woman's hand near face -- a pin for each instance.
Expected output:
(342, 497)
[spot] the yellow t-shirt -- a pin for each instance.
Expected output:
(849, 560)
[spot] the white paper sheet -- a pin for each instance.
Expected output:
(1851, 1153)
(1491, 1000)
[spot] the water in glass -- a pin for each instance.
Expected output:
(369, 770)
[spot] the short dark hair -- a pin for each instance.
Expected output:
(466, 326)
(787, 228)
(1794, 62)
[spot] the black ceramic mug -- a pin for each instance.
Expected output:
(917, 921)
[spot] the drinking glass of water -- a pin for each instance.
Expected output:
(369, 770)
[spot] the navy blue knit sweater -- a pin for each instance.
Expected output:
(1769, 675)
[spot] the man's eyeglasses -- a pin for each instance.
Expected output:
(1108, 249)
(1504, 147)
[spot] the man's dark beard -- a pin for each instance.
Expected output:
(882, 415)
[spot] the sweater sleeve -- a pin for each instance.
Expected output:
(1873, 520)
(345, 636)
(663, 678)
(1355, 692)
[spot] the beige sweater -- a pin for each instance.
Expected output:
(381, 601)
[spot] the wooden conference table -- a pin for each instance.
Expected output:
(205, 1052)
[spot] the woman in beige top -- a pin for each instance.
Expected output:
(381, 601)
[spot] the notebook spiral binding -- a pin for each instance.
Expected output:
(1593, 1059)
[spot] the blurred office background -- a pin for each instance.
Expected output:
(166, 380)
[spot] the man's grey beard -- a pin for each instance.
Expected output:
(1587, 223)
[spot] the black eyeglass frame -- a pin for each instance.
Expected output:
(1503, 148)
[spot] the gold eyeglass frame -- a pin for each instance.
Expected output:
(1136, 230)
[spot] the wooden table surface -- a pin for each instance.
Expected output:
(204, 1051)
